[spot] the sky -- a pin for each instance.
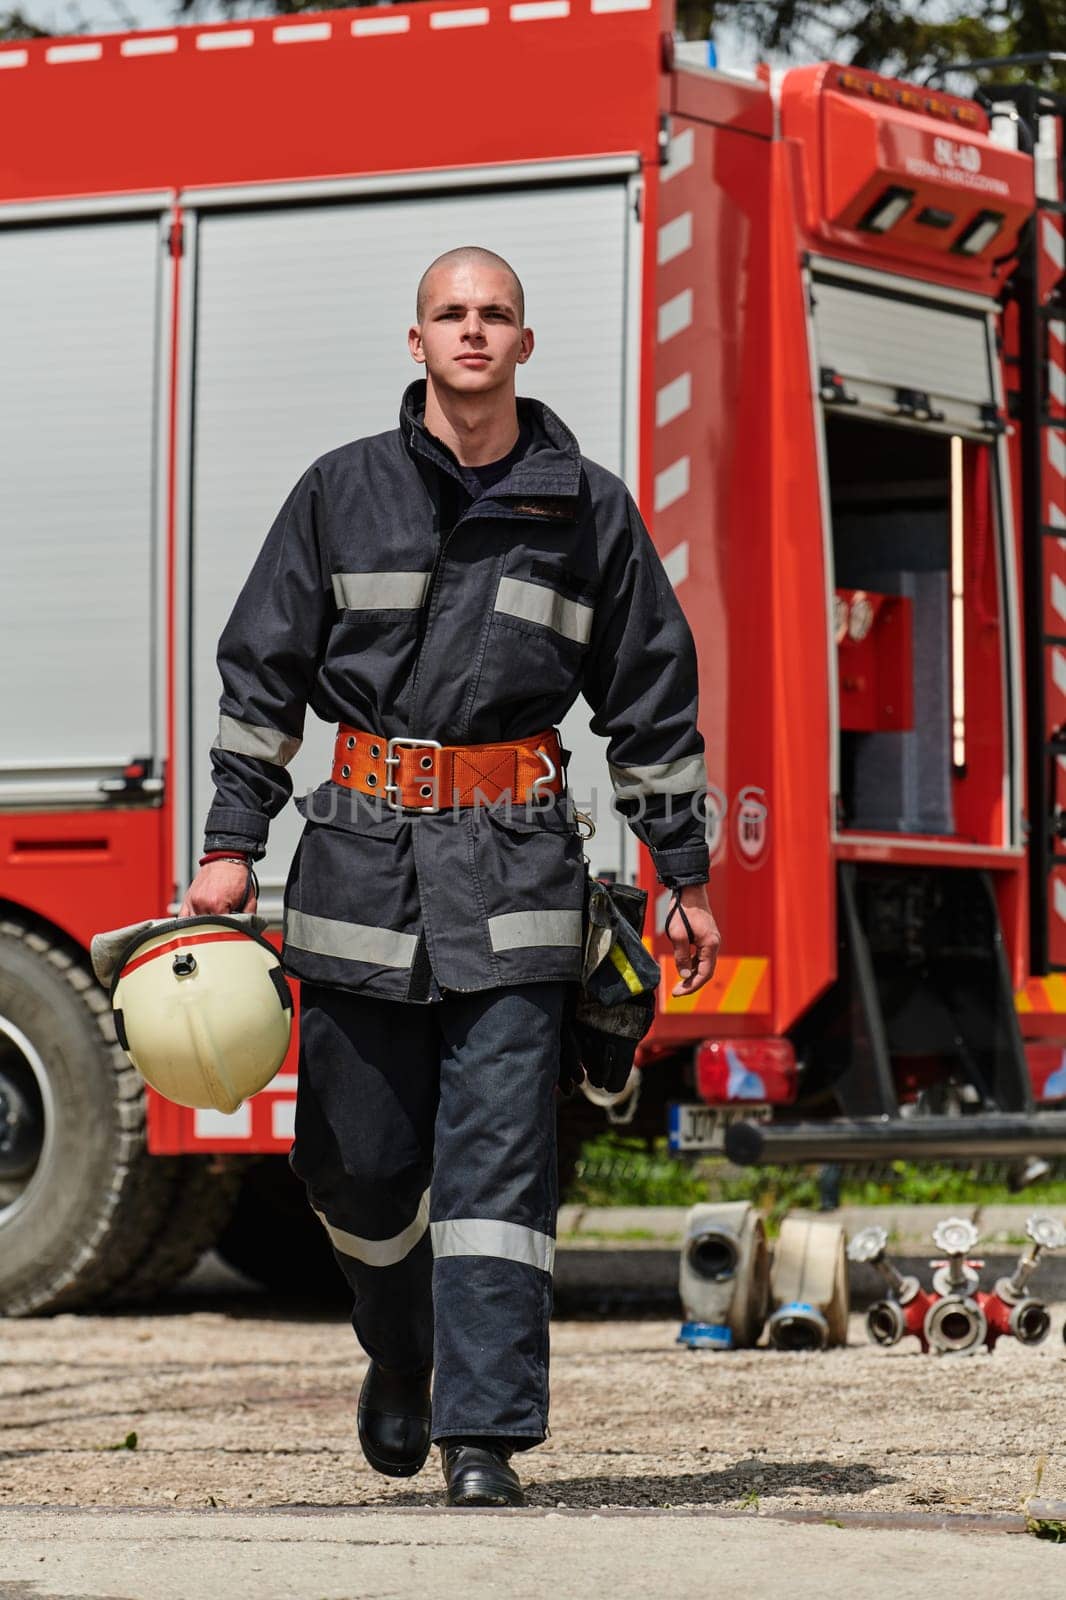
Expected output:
(108, 16)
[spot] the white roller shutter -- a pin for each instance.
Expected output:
(79, 336)
(886, 346)
(302, 317)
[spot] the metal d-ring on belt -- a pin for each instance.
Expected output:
(425, 775)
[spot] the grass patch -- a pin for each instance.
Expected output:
(616, 1169)
(1045, 1528)
(621, 1235)
(949, 1184)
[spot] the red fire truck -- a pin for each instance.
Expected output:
(815, 324)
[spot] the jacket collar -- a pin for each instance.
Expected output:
(551, 467)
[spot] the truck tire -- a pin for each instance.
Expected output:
(80, 1197)
(275, 1238)
(199, 1208)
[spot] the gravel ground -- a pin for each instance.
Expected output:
(238, 1408)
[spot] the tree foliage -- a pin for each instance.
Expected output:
(902, 37)
(14, 25)
(187, 10)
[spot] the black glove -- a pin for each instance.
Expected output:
(615, 1005)
(607, 1039)
(571, 1072)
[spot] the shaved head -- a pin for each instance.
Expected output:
(470, 255)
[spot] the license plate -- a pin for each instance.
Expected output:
(702, 1128)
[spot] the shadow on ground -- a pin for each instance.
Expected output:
(746, 1482)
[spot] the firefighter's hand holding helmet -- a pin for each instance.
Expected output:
(201, 1006)
(220, 887)
(693, 932)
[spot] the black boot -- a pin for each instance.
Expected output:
(394, 1421)
(479, 1476)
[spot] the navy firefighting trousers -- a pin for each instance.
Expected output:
(426, 1138)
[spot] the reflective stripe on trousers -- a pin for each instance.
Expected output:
(379, 1252)
(457, 1273)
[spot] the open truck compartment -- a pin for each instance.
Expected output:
(890, 506)
(918, 550)
(922, 1015)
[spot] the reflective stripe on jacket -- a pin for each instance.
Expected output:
(361, 606)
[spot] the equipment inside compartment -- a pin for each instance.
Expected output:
(890, 497)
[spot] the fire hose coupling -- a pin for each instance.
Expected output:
(886, 1323)
(957, 1318)
(808, 1286)
(1010, 1309)
(728, 1285)
(724, 1277)
(955, 1325)
(798, 1326)
(903, 1309)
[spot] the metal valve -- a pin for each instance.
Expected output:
(1046, 1233)
(955, 1236)
(955, 1323)
(869, 1244)
(885, 1320)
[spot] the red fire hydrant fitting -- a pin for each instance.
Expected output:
(957, 1318)
(891, 1319)
(1010, 1308)
(906, 1305)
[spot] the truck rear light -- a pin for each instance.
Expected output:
(752, 1070)
(979, 233)
(887, 209)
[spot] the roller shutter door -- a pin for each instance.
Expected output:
(885, 348)
(79, 335)
(302, 314)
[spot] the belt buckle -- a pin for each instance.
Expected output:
(392, 760)
(538, 791)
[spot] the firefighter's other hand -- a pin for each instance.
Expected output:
(695, 961)
(217, 889)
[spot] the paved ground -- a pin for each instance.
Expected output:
(215, 1437)
(523, 1555)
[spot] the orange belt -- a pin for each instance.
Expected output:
(423, 775)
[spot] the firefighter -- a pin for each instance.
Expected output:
(442, 592)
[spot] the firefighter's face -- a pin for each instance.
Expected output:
(471, 336)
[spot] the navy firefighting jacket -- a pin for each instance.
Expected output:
(364, 607)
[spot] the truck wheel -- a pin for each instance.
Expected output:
(200, 1206)
(79, 1194)
(275, 1238)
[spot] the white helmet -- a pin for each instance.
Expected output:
(203, 1010)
